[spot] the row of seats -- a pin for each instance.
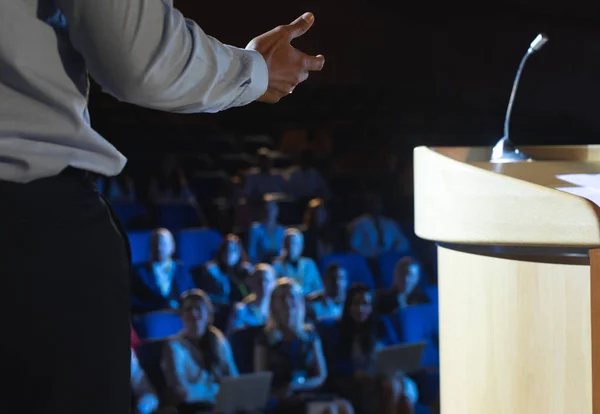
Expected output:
(411, 324)
(199, 245)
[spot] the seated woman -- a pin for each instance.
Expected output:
(292, 351)
(291, 264)
(158, 284)
(329, 304)
(253, 310)
(352, 361)
(265, 237)
(144, 397)
(195, 360)
(224, 278)
(405, 288)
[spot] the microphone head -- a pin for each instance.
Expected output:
(539, 41)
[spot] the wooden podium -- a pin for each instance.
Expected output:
(519, 279)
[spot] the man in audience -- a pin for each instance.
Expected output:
(373, 234)
(158, 284)
(60, 239)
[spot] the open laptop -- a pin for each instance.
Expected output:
(246, 392)
(405, 358)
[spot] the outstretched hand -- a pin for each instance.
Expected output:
(287, 65)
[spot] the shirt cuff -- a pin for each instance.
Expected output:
(258, 79)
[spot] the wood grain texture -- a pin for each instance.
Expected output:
(462, 198)
(516, 337)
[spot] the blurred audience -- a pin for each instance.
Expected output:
(195, 360)
(405, 289)
(330, 302)
(305, 181)
(319, 235)
(253, 310)
(119, 189)
(159, 283)
(292, 351)
(224, 278)
(293, 265)
(170, 184)
(263, 180)
(265, 237)
(373, 234)
(352, 368)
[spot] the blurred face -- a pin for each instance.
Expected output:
(272, 211)
(406, 279)
(361, 307)
(337, 284)
(163, 245)
(286, 306)
(413, 277)
(232, 253)
(295, 245)
(262, 282)
(195, 316)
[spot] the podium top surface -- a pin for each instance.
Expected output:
(460, 197)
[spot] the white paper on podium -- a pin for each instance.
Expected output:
(588, 186)
(582, 180)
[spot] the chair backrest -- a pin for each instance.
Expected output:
(140, 246)
(421, 323)
(157, 325)
(197, 246)
(242, 346)
(177, 216)
(356, 266)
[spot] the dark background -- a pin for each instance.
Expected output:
(404, 73)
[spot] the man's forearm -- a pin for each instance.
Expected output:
(146, 53)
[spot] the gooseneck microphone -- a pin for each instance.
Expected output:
(505, 151)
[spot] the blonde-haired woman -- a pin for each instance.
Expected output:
(292, 351)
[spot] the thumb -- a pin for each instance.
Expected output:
(301, 25)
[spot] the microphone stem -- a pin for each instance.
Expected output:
(513, 94)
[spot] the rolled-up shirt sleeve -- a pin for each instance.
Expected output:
(146, 53)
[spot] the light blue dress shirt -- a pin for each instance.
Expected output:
(140, 51)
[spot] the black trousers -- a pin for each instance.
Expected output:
(64, 312)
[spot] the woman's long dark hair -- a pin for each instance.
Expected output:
(350, 330)
(209, 342)
(221, 251)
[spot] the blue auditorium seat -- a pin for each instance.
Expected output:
(140, 246)
(157, 325)
(197, 246)
(356, 266)
(415, 324)
(177, 216)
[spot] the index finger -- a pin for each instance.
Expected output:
(314, 63)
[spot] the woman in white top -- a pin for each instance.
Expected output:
(195, 360)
